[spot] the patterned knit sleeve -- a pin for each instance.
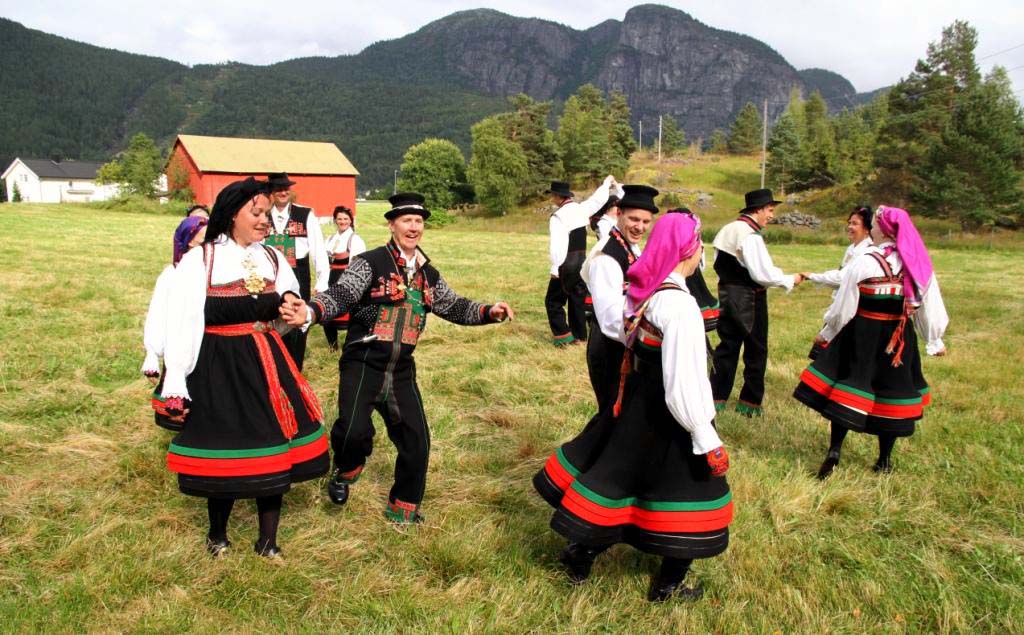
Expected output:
(457, 309)
(342, 297)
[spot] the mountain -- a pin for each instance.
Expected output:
(59, 97)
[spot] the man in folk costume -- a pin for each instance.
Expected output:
(745, 271)
(296, 233)
(605, 276)
(568, 246)
(388, 292)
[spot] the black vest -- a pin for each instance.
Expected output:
(617, 247)
(383, 311)
(729, 269)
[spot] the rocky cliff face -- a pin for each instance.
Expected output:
(664, 60)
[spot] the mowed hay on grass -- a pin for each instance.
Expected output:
(95, 536)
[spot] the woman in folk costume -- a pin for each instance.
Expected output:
(858, 230)
(254, 424)
(658, 484)
(341, 248)
(867, 377)
(190, 233)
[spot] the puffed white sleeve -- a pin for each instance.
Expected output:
(754, 256)
(358, 246)
(931, 319)
(286, 280)
(604, 227)
(318, 252)
(153, 331)
(847, 297)
(559, 244)
(594, 202)
(186, 301)
(605, 284)
(684, 368)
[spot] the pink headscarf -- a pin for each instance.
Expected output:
(917, 264)
(675, 237)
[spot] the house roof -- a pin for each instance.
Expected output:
(65, 170)
(262, 156)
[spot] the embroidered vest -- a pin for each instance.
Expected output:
(617, 247)
(401, 304)
(727, 266)
(295, 227)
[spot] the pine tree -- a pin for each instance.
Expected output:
(136, 170)
(527, 127)
(818, 145)
(784, 153)
(621, 129)
(745, 135)
(718, 143)
(591, 137)
(16, 194)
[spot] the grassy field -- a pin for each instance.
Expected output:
(94, 535)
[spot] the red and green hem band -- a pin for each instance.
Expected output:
(660, 516)
(865, 402)
(562, 340)
(248, 462)
(749, 409)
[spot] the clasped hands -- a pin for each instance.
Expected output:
(295, 312)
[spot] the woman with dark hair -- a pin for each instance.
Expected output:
(190, 233)
(197, 210)
(858, 230)
(341, 248)
(867, 376)
(658, 481)
(254, 424)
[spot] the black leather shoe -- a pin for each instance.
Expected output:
(831, 461)
(578, 560)
(267, 551)
(337, 489)
(662, 591)
(217, 547)
(882, 467)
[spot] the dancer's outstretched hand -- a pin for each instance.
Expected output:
(718, 461)
(502, 311)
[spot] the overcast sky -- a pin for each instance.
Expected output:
(871, 42)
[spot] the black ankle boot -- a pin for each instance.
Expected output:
(830, 463)
(337, 488)
(578, 559)
(266, 549)
(217, 546)
(669, 582)
(882, 466)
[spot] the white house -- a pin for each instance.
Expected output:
(46, 181)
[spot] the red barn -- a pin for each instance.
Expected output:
(323, 176)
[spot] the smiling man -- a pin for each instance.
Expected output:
(388, 292)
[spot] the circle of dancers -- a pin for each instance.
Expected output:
(225, 339)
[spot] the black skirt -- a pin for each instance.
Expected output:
(254, 427)
(635, 480)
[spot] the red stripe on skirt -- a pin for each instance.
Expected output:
(558, 474)
(662, 521)
(198, 466)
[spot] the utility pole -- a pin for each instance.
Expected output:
(659, 138)
(764, 141)
(395, 191)
(641, 144)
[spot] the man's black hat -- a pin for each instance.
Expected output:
(407, 203)
(279, 181)
(758, 199)
(560, 188)
(638, 197)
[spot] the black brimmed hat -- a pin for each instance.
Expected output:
(758, 199)
(279, 181)
(638, 197)
(560, 188)
(406, 203)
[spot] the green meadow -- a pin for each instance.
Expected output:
(94, 535)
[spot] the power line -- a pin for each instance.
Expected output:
(1012, 48)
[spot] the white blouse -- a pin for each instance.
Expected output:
(154, 330)
(187, 300)
(337, 243)
(684, 363)
(604, 280)
(567, 218)
(930, 319)
(833, 277)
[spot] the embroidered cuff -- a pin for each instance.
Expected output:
(174, 385)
